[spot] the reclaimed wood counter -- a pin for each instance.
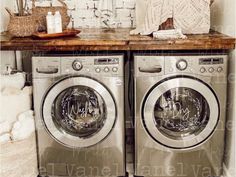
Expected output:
(117, 39)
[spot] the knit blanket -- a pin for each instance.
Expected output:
(191, 16)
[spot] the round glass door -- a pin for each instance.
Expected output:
(78, 112)
(181, 112)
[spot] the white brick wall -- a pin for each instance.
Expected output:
(84, 12)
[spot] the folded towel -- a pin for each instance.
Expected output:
(5, 138)
(169, 34)
(24, 127)
(14, 101)
(13, 80)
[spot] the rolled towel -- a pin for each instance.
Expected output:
(5, 138)
(16, 80)
(24, 127)
(169, 34)
(5, 127)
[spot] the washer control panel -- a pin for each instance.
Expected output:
(211, 64)
(106, 65)
(203, 65)
(99, 65)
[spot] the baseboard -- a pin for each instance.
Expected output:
(226, 172)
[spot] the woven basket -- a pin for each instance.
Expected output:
(21, 26)
(40, 14)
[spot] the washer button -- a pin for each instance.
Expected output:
(202, 70)
(219, 69)
(171, 69)
(211, 70)
(106, 69)
(182, 65)
(115, 69)
(77, 65)
(98, 70)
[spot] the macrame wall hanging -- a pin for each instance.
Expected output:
(191, 16)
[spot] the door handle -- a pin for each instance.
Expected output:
(47, 70)
(157, 69)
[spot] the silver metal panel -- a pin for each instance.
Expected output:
(105, 158)
(44, 67)
(155, 160)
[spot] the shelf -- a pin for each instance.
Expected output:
(116, 40)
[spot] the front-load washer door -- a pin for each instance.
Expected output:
(180, 112)
(78, 111)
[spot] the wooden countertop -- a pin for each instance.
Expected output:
(117, 39)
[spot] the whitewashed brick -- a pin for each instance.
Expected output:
(71, 4)
(84, 12)
(123, 13)
(92, 22)
(80, 22)
(95, 4)
(81, 4)
(132, 13)
(130, 4)
(119, 3)
(126, 23)
(42, 3)
(133, 20)
(91, 4)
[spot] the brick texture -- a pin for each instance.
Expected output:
(85, 13)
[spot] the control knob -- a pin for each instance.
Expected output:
(115, 69)
(77, 65)
(98, 70)
(203, 70)
(181, 65)
(211, 69)
(220, 69)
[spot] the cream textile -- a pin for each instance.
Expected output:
(169, 34)
(151, 14)
(191, 16)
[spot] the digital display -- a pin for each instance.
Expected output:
(209, 61)
(217, 61)
(106, 61)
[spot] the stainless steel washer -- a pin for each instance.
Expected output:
(79, 106)
(180, 104)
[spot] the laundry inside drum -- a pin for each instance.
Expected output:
(79, 111)
(181, 112)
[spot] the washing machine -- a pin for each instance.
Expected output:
(180, 107)
(79, 107)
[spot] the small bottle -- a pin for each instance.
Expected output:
(50, 23)
(58, 22)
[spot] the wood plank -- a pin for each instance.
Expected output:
(117, 39)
